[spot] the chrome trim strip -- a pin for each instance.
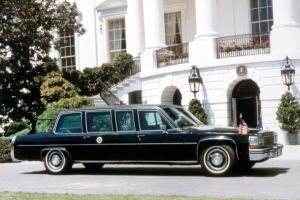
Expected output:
(136, 161)
(103, 144)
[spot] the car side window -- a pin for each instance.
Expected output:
(69, 123)
(151, 120)
(125, 121)
(99, 122)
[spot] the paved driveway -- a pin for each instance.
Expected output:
(275, 179)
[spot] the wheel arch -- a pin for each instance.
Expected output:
(220, 140)
(46, 150)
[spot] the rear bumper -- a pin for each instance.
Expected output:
(265, 153)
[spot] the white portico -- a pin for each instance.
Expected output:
(238, 46)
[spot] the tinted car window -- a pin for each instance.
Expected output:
(150, 120)
(181, 117)
(69, 123)
(99, 122)
(125, 121)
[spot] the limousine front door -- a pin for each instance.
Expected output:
(155, 144)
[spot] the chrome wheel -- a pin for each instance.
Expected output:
(217, 160)
(56, 162)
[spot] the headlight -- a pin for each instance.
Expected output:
(256, 141)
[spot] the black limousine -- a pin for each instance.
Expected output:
(146, 134)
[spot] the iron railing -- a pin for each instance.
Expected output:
(136, 66)
(243, 45)
(172, 55)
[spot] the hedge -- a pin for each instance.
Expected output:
(5, 149)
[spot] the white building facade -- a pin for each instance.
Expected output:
(238, 46)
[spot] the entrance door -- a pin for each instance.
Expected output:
(245, 101)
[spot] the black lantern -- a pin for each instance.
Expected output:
(195, 80)
(288, 72)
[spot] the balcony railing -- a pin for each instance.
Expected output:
(243, 45)
(173, 55)
(136, 66)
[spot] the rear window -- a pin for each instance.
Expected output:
(69, 123)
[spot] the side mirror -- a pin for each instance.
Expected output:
(163, 127)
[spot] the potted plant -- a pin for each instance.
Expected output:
(288, 115)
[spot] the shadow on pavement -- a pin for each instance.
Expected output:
(167, 171)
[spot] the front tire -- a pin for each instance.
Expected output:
(56, 162)
(217, 160)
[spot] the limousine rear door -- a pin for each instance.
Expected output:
(102, 139)
(155, 143)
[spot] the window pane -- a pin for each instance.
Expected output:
(262, 3)
(264, 27)
(125, 121)
(173, 32)
(69, 123)
(117, 37)
(254, 15)
(254, 3)
(255, 28)
(263, 14)
(99, 122)
(270, 2)
(150, 120)
(270, 13)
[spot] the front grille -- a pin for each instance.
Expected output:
(268, 139)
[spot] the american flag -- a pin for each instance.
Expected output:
(243, 128)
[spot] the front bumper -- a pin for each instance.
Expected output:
(265, 153)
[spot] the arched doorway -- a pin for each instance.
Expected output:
(246, 101)
(171, 96)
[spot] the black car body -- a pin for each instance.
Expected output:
(154, 134)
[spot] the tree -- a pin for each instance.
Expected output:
(26, 37)
(55, 87)
(288, 113)
(196, 109)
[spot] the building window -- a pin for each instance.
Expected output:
(261, 16)
(173, 28)
(117, 37)
(67, 51)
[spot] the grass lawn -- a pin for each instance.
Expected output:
(37, 196)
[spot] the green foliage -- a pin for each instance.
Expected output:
(122, 63)
(25, 131)
(55, 87)
(196, 108)
(288, 113)
(74, 102)
(89, 82)
(15, 127)
(5, 149)
(26, 37)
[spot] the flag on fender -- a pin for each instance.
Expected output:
(243, 128)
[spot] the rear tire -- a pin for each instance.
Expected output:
(217, 160)
(56, 162)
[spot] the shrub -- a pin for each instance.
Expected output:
(15, 127)
(196, 108)
(5, 149)
(288, 113)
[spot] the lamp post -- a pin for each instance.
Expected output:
(195, 80)
(287, 72)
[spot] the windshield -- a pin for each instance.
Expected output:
(181, 117)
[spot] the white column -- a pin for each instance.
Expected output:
(285, 34)
(135, 28)
(154, 33)
(203, 47)
(205, 18)
(154, 24)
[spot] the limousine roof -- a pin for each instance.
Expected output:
(122, 106)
